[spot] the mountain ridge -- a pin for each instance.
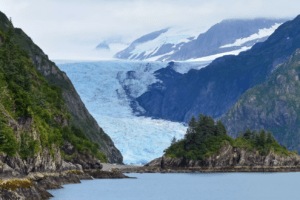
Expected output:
(214, 89)
(171, 44)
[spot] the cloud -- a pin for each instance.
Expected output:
(69, 28)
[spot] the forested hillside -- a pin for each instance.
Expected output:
(27, 98)
(272, 105)
(81, 118)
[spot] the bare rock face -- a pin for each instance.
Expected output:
(43, 161)
(68, 148)
(85, 160)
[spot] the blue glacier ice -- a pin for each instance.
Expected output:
(101, 88)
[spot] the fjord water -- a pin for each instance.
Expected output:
(216, 186)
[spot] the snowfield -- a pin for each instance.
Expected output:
(101, 87)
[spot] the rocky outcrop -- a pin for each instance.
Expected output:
(229, 159)
(85, 160)
(35, 185)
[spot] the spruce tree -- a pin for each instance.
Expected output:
(206, 126)
(220, 129)
(174, 140)
(247, 134)
(190, 136)
(270, 138)
(262, 137)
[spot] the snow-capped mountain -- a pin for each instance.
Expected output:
(229, 37)
(109, 90)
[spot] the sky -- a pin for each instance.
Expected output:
(71, 29)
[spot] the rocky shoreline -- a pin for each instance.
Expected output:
(35, 185)
(233, 169)
(30, 179)
(229, 159)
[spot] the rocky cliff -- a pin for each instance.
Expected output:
(80, 115)
(273, 105)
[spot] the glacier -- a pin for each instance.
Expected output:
(107, 88)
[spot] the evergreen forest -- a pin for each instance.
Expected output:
(206, 137)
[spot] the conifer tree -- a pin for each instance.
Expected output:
(247, 134)
(174, 140)
(220, 129)
(206, 126)
(262, 137)
(270, 138)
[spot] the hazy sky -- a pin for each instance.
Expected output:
(70, 29)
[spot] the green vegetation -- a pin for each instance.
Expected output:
(274, 104)
(8, 142)
(205, 137)
(25, 94)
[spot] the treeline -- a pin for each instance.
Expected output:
(24, 93)
(205, 137)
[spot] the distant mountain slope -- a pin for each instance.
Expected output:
(233, 35)
(215, 88)
(273, 105)
(102, 45)
(81, 116)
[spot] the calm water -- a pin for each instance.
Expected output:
(231, 186)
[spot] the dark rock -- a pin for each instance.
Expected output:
(68, 148)
(87, 161)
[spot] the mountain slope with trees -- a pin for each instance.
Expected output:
(33, 115)
(272, 105)
(81, 118)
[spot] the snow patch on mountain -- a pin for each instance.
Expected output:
(107, 89)
(213, 57)
(261, 34)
